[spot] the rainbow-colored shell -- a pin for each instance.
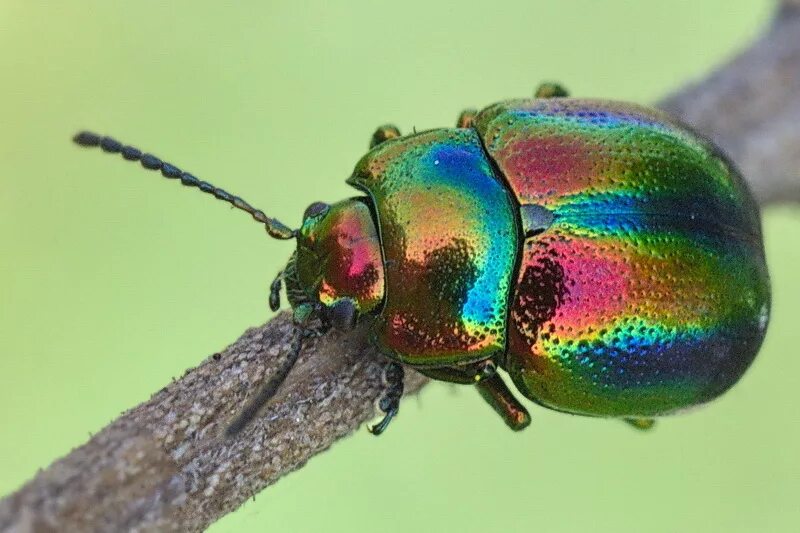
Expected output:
(607, 257)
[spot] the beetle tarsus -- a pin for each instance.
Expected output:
(383, 134)
(466, 118)
(642, 424)
(550, 90)
(275, 292)
(393, 376)
(381, 426)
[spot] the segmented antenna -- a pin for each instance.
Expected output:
(275, 228)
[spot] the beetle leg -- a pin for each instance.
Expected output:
(550, 90)
(641, 423)
(490, 385)
(270, 386)
(450, 374)
(466, 118)
(485, 370)
(390, 402)
(275, 292)
(467, 374)
(496, 393)
(384, 133)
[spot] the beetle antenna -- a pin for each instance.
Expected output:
(269, 389)
(275, 228)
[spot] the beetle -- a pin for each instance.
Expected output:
(605, 256)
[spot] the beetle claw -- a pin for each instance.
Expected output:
(393, 375)
(381, 426)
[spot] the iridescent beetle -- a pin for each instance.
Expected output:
(606, 257)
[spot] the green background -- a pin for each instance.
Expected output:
(112, 280)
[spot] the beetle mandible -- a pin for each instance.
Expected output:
(605, 256)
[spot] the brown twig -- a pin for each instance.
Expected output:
(164, 464)
(751, 108)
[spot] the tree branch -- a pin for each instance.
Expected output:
(751, 108)
(164, 465)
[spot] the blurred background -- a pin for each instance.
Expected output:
(113, 280)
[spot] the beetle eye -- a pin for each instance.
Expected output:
(315, 209)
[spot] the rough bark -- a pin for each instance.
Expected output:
(165, 466)
(751, 108)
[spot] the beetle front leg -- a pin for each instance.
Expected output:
(496, 393)
(393, 376)
(275, 292)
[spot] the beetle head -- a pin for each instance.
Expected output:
(337, 269)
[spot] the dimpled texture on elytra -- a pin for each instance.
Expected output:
(648, 291)
(447, 225)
